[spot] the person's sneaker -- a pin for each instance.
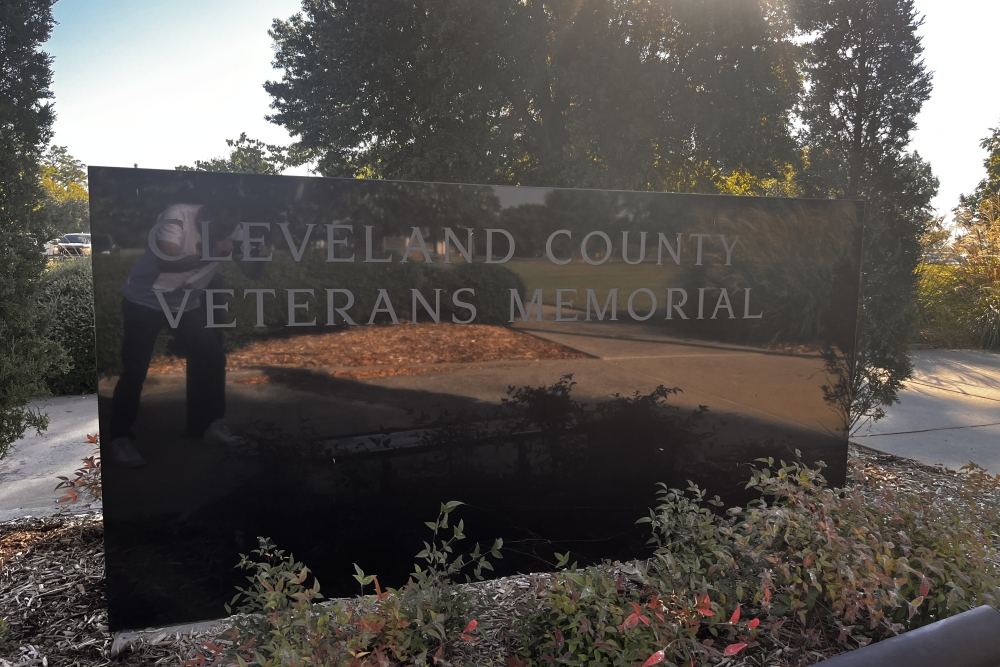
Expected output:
(123, 453)
(218, 433)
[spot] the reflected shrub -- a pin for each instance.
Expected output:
(638, 436)
(491, 283)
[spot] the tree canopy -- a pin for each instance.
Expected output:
(867, 82)
(646, 95)
(247, 156)
(989, 186)
(65, 195)
(26, 354)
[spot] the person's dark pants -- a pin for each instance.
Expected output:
(206, 367)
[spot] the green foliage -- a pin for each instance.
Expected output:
(590, 618)
(643, 95)
(26, 354)
(828, 569)
(68, 294)
(66, 200)
(110, 273)
(86, 479)
(959, 297)
(989, 186)
(944, 315)
(280, 622)
(693, 544)
(867, 82)
(977, 252)
(869, 560)
(835, 567)
(248, 156)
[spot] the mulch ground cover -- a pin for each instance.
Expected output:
(52, 593)
(384, 351)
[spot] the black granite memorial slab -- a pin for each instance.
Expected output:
(324, 361)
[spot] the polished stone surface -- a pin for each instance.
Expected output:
(555, 437)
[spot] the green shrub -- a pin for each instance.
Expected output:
(978, 252)
(806, 568)
(281, 624)
(959, 301)
(68, 293)
(590, 619)
(834, 568)
(110, 273)
(694, 546)
(492, 283)
(941, 308)
(870, 558)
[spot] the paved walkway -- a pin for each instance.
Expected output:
(949, 412)
(28, 474)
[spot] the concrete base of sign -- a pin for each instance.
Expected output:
(948, 414)
(132, 638)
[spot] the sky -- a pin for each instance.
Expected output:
(160, 83)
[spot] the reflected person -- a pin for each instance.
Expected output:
(174, 278)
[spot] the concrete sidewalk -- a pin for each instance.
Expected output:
(949, 412)
(28, 474)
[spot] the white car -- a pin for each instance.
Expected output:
(71, 245)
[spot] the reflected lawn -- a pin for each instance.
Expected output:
(542, 274)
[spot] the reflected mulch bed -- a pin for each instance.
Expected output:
(388, 350)
(52, 588)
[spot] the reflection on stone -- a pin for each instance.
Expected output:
(627, 339)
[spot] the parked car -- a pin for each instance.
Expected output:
(72, 245)
(50, 249)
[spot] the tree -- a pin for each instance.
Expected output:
(867, 82)
(642, 95)
(26, 354)
(977, 274)
(66, 199)
(248, 156)
(989, 186)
